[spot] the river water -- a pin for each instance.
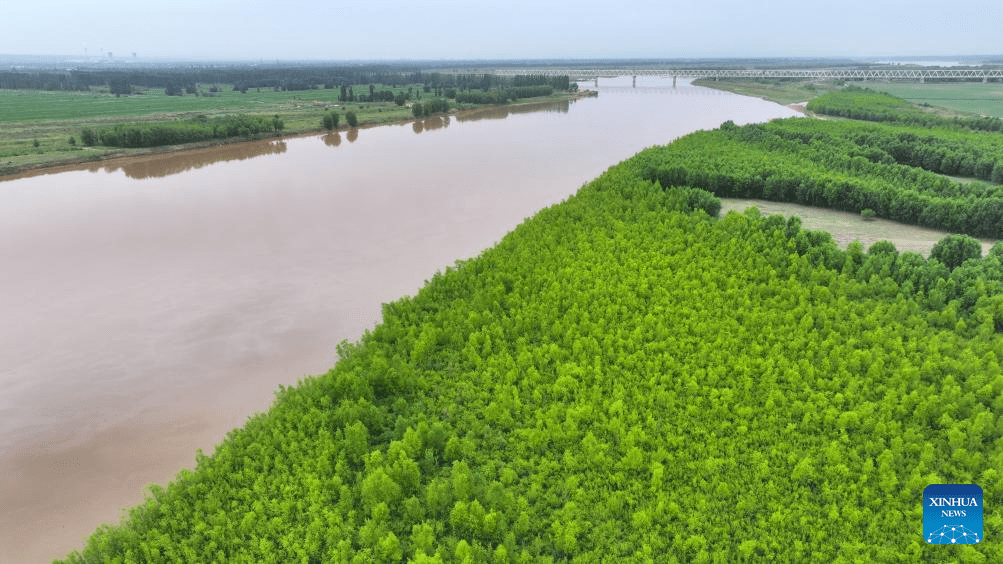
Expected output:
(151, 304)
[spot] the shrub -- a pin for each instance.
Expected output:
(954, 250)
(868, 214)
(882, 247)
(688, 199)
(352, 119)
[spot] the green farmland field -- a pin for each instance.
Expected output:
(34, 105)
(977, 98)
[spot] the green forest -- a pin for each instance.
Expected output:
(629, 377)
(902, 172)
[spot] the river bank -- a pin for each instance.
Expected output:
(55, 153)
(784, 93)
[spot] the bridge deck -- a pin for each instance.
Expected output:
(807, 74)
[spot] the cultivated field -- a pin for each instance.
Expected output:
(973, 97)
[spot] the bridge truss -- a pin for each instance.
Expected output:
(804, 74)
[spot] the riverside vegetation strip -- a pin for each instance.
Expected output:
(44, 128)
(780, 91)
(624, 376)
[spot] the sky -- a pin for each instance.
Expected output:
(514, 29)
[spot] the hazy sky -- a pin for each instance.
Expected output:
(474, 29)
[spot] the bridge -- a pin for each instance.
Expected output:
(594, 74)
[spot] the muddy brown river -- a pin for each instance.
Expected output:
(152, 304)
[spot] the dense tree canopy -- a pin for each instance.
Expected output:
(175, 133)
(898, 171)
(624, 377)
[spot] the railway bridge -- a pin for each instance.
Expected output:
(594, 74)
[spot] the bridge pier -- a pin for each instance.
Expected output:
(673, 81)
(922, 80)
(635, 81)
(597, 82)
(985, 79)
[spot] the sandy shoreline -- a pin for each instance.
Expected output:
(799, 107)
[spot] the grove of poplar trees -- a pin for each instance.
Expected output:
(626, 377)
(905, 173)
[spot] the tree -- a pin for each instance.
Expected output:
(119, 86)
(996, 177)
(886, 247)
(352, 119)
(417, 110)
(953, 250)
(330, 120)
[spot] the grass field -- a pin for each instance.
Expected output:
(34, 105)
(36, 126)
(968, 97)
(947, 100)
(781, 92)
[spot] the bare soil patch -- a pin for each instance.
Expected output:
(848, 227)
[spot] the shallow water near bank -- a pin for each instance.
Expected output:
(152, 304)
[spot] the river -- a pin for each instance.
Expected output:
(152, 304)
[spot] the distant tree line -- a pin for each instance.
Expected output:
(502, 96)
(556, 82)
(282, 77)
(431, 107)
